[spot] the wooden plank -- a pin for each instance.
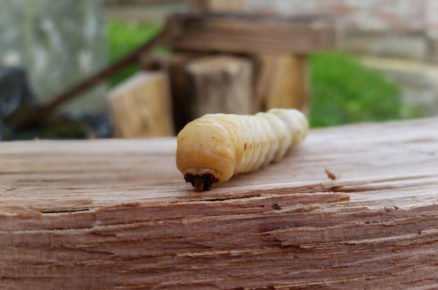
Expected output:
(240, 33)
(141, 106)
(353, 207)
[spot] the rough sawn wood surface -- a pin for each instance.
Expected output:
(354, 207)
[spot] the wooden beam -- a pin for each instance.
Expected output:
(352, 207)
(243, 33)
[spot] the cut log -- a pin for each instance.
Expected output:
(203, 84)
(231, 33)
(141, 106)
(354, 207)
(175, 66)
(220, 84)
(288, 82)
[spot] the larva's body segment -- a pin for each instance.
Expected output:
(215, 147)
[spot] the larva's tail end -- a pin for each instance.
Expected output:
(201, 182)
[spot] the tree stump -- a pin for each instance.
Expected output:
(354, 207)
(202, 84)
(220, 84)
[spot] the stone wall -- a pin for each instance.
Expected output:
(396, 37)
(399, 28)
(59, 42)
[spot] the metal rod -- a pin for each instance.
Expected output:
(133, 57)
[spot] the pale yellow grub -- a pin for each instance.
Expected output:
(215, 147)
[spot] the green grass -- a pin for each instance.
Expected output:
(343, 90)
(123, 38)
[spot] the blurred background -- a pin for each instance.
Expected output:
(144, 68)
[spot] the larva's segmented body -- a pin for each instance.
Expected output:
(215, 147)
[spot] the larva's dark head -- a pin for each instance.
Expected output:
(201, 182)
(205, 153)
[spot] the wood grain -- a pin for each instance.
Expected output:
(116, 214)
(243, 33)
(220, 84)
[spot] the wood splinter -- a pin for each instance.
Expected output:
(215, 147)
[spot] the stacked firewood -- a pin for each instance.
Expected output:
(219, 64)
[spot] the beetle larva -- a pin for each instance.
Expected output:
(215, 147)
